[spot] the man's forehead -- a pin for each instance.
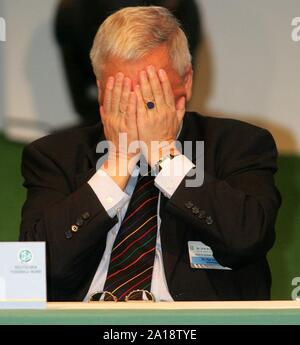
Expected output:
(134, 67)
(159, 58)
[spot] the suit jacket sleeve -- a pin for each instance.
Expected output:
(49, 212)
(234, 212)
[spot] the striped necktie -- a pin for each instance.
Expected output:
(132, 256)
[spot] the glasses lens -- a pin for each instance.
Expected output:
(103, 296)
(140, 295)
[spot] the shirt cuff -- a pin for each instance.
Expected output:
(108, 192)
(172, 173)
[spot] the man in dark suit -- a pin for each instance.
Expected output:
(112, 230)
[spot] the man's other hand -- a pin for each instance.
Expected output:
(157, 127)
(118, 115)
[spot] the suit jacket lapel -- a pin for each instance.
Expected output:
(173, 236)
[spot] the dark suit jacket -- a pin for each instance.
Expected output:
(238, 194)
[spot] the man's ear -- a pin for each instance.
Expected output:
(188, 82)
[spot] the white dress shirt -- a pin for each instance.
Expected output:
(115, 201)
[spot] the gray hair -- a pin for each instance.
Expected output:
(132, 32)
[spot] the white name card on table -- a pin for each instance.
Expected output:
(22, 275)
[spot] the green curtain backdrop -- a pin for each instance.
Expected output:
(284, 258)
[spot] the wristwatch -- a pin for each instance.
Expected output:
(158, 165)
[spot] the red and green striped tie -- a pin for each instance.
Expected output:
(132, 257)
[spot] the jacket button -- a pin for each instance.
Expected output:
(201, 214)
(208, 220)
(195, 210)
(85, 215)
(189, 204)
(68, 235)
(79, 221)
(74, 228)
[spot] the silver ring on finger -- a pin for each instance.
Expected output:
(150, 105)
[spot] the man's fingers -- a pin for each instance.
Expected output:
(145, 88)
(102, 113)
(156, 87)
(131, 109)
(141, 110)
(108, 94)
(167, 89)
(125, 95)
(116, 93)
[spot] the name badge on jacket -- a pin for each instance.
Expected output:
(201, 256)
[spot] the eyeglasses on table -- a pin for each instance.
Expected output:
(135, 295)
